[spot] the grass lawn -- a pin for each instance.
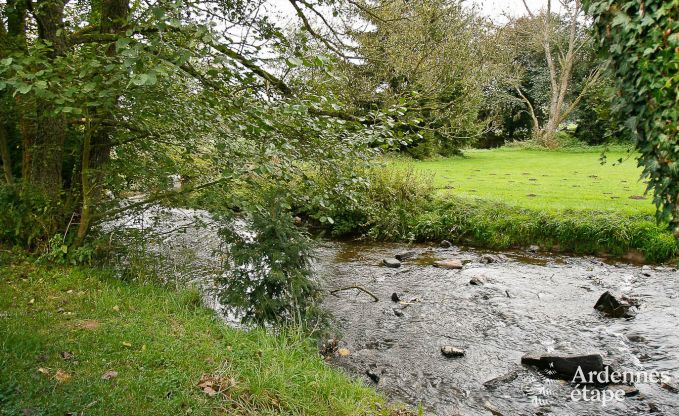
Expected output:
(542, 179)
(79, 341)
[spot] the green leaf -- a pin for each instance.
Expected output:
(294, 62)
(24, 88)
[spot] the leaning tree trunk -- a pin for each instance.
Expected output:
(98, 141)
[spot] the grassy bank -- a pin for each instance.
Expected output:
(503, 198)
(542, 180)
(495, 225)
(79, 341)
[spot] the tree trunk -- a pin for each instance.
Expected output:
(97, 147)
(24, 105)
(47, 150)
(4, 152)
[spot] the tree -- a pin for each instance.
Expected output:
(425, 58)
(85, 83)
(562, 43)
(640, 41)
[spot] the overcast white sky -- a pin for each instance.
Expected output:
(495, 9)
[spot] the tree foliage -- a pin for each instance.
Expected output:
(103, 99)
(426, 56)
(641, 41)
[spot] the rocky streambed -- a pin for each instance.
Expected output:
(496, 308)
(452, 338)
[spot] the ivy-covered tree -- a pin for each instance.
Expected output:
(641, 42)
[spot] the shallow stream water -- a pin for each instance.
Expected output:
(529, 302)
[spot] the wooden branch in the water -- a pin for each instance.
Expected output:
(362, 289)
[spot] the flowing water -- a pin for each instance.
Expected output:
(529, 302)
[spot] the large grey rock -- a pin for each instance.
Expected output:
(448, 264)
(614, 306)
(565, 365)
(393, 263)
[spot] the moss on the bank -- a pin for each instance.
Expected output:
(64, 330)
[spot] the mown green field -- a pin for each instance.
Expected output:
(544, 180)
(79, 341)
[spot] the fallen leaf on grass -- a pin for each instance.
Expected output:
(116, 308)
(62, 376)
(109, 375)
(212, 385)
(32, 301)
(127, 344)
(43, 370)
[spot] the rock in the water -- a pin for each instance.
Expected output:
(492, 409)
(446, 244)
(567, 365)
(490, 258)
(629, 390)
(398, 312)
(614, 306)
(646, 271)
(670, 385)
(496, 382)
(477, 281)
(405, 255)
(448, 264)
(373, 374)
(393, 263)
(533, 249)
(450, 352)
(395, 297)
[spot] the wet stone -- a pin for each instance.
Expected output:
(477, 281)
(448, 264)
(393, 263)
(451, 352)
(373, 374)
(491, 258)
(405, 255)
(496, 382)
(629, 390)
(614, 306)
(446, 244)
(533, 249)
(567, 365)
(395, 297)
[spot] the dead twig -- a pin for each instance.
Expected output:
(362, 289)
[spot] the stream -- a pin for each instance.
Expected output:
(527, 302)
